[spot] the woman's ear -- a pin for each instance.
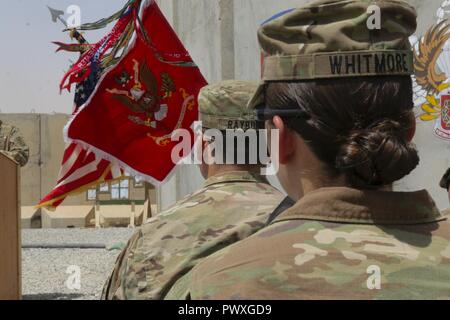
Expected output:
(286, 140)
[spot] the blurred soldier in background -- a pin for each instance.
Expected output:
(13, 145)
(235, 202)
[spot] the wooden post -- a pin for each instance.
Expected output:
(148, 202)
(133, 215)
(98, 224)
(10, 230)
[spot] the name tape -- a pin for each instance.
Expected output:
(338, 64)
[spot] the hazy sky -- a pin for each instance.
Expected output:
(30, 70)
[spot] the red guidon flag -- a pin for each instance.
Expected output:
(152, 91)
(81, 169)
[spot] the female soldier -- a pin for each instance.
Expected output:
(338, 89)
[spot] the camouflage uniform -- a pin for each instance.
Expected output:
(230, 207)
(334, 242)
(324, 248)
(13, 145)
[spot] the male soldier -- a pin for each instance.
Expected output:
(349, 236)
(445, 183)
(234, 203)
(13, 145)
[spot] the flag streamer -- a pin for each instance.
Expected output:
(100, 24)
(133, 112)
(133, 89)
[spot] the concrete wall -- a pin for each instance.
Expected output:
(434, 153)
(43, 134)
(52, 148)
(29, 125)
(221, 36)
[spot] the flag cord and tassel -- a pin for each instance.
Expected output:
(118, 39)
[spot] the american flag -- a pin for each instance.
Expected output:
(81, 169)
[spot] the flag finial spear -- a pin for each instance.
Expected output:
(58, 15)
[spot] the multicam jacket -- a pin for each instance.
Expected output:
(229, 208)
(13, 145)
(335, 243)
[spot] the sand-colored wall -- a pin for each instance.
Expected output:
(43, 133)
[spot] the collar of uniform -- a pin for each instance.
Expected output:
(346, 205)
(235, 176)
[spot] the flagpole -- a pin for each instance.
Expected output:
(57, 15)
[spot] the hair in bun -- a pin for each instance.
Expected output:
(359, 127)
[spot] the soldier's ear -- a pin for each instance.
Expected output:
(286, 140)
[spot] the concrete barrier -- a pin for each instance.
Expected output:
(31, 218)
(123, 215)
(68, 217)
(142, 214)
(116, 216)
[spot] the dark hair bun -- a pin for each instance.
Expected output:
(377, 156)
(360, 128)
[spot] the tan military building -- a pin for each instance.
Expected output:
(119, 204)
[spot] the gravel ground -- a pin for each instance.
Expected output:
(45, 270)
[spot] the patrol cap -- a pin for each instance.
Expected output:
(336, 39)
(224, 105)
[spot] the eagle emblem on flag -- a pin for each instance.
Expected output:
(139, 92)
(141, 100)
(134, 88)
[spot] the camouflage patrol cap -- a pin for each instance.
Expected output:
(338, 38)
(224, 105)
